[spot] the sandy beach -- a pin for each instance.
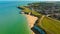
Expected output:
(31, 20)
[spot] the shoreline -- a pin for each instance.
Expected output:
(31, 21)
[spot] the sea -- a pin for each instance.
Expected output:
(11, 22)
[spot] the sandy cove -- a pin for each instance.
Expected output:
(31, 20)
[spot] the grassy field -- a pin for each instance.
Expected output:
(51, 26)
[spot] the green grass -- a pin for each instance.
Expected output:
(50, 25)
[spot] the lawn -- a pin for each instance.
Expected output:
(51, 26)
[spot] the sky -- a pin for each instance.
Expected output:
(29, 0)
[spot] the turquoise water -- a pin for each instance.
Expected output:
(11, 22)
